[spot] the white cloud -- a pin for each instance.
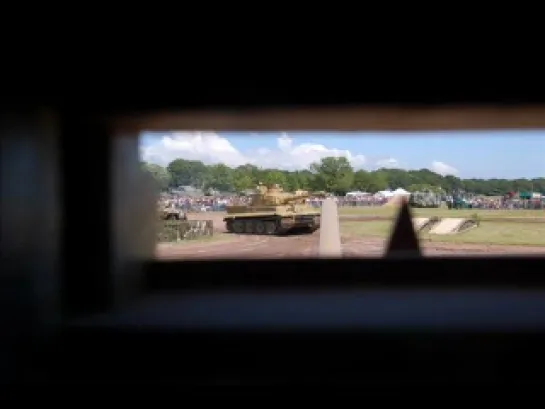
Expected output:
(388, 163)
(206, 146)
(210, 147)
(443, 169)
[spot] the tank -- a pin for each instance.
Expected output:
(274, 212)
(459, 200)
(171, 212)
(425, 200)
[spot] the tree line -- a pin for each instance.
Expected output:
(331, 174)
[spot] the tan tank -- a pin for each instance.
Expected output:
(169, 212)
(274, 212)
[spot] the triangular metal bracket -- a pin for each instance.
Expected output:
(403, 240)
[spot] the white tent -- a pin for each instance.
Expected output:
(384, 193)
(357, 193)
(400, 192)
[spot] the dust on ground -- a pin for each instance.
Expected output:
(306, 245)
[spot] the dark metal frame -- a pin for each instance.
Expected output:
(87, 289)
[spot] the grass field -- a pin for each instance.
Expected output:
(489, 232)
(442, 212)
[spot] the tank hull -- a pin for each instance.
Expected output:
(172, 215)
(273, 224)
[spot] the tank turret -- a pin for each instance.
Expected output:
(168, 211)
(275, 196)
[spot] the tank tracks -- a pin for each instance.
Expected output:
(266, 227)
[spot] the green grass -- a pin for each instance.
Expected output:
(441, 212)
(381, 229)
(498, 233)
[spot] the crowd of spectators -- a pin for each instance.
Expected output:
(219, 202)
(506, 204)
(201, 203)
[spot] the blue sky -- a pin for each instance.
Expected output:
(506, 154)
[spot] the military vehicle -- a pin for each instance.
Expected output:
(425, 200)
(459, 200)
(274, 212)
(171, 212)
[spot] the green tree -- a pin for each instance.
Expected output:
(333, 174)
(362, 181)
(252, 171)
(220, 177)
(398, 178)
(300, 179)
(242, 182)
(424, 187)
(188, 172)
(161, 175)
(272, 176)
(379, 181)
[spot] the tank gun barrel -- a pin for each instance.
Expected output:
(301, 196)
(293, 199)
(320, 193)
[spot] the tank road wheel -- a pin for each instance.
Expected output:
(229, 226)
(259, 227)
(249, 226)
(270, 228)
(238, 226)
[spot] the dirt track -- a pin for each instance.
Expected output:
(306, 246)
(240, 246)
